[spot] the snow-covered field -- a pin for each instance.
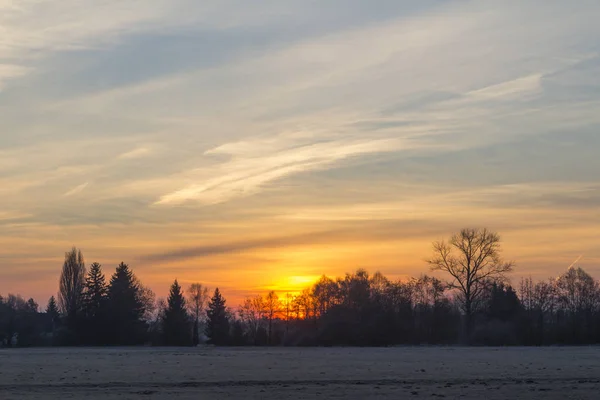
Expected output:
(301, 373)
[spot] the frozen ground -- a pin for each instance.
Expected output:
(302, 373)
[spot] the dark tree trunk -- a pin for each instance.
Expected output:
(468, 321)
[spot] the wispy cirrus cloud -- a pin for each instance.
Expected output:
(530, 84)
(76, 190)
(139, 152)
(255, 164)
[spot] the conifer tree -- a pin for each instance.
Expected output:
(52, 312)
(217, 325)
(176, 322)
(125, 307)
(94, 305)
(96, 290)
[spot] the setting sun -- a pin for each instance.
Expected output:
(297, 283)
(292, 284)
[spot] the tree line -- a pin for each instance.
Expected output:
(475, 305)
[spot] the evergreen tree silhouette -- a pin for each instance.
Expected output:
(126, 308)
(94, 305)
(217, 325)
(53, 314)
(176, 322)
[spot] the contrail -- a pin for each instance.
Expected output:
(576, 261)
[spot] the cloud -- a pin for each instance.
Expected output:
(392, 225)
(510, 89)
(257, 163)
(139, 152)
(375, 231)
(234, 247)
(33, 29)
(447, 203)
(76, 190)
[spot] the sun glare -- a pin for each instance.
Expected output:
(301, 281)
(293, 284)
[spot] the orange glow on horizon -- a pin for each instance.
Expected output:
(293, 284)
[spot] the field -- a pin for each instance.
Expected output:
(301, 373)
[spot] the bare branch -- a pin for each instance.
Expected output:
(472, 259)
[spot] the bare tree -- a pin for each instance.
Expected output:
(472, 259)
(157, 317)
(148, 299)
(526, 289)
(324, 293)
(287, 309)
(197, 299)
(544, 296)
(379, 285)
(252, 313)
(577, 291)
(159, 310)
(71, 286)
(426, 291)
(272, 310)
(303, 304)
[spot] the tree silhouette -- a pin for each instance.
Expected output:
(155, 324)
(326, 294)
(252, 312)
(96, 290)
(197, 298)
(287, 313)
(176, 322)
(472, 259)
(13, 306)
(217, 324)
(578, 294)
(272, 310)
(147, 299)
(52, 312)
(305, 304)
(21, 324)
(94, 304)
(126, 308)
(499, 322)
(32, 306)
(71, 287)
(356, 309)
(577, 291)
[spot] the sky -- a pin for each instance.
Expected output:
(258, 145)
